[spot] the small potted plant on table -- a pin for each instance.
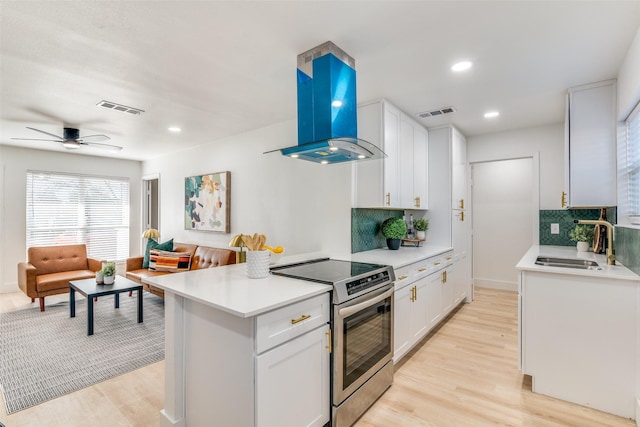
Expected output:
(394, 229)
(421, 225)
(582, 234)
(109, 272)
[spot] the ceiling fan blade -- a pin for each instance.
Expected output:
(94, 138)
(46, 133)
(35, 139)
(106, 146)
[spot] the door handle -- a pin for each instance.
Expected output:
(388, 199)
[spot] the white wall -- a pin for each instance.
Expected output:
(14, 163)
(300, 205)
(547, 140)
(629, 80)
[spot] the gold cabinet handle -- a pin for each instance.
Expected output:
(300, 319)
(436, 263)
(422, 269)
(563, 200)
(444, 276)
(415, 293)
(461, 203)
(417, 202)
(402, 278)
(462, 216)
(329, 346)
(449, 258)
(388, 199)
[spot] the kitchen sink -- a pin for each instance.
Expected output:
(568, 263)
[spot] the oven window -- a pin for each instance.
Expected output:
(367, 340)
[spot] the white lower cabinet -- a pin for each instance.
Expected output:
(578, 338)
(434, 299)
(424, 296)
(292, 365)
(296, 373)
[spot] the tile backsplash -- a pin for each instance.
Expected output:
(627, 246)
(565, 218)
(365, 228)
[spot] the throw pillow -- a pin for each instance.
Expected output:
(152, 244)
(169, 261)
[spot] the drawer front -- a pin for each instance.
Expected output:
(403, 276)
(440, 262)
(279, 326)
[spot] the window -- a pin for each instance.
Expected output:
(630, 166)
(70, 209)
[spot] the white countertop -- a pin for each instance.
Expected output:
(404, 256)
(228, 288)
(528, 262)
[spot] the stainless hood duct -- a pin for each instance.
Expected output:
(327, 109)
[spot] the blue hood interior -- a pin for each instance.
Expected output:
(327, 109)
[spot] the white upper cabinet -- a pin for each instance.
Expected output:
(590, 146)
(458, 169)
(399, 181)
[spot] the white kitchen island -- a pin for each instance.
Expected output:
(579, 330)
(244, 352)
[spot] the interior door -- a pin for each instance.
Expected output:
(503, 220)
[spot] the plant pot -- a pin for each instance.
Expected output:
(108, 280)
(394, 244)
(583, 246)
(421, 235)
(99, 278)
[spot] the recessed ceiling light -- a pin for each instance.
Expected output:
(324, 162)
(491, 114)
(174, 129)
(336, 103)
(461, 66)
(294, 156)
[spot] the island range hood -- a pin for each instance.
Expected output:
(327, 109)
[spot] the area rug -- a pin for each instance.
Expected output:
(44, 355)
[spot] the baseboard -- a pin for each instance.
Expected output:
(495, 284)
(168, 421)
(6, 288)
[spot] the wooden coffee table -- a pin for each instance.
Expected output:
(90, 289)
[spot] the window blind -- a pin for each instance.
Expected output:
(632, 163)
(70, 209)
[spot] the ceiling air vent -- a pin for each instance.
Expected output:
(434, 113)
(119, 107)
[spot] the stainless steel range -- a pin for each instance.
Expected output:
(362, 324)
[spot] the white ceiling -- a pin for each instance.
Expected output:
(217, 69)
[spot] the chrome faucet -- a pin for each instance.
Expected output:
(611, 258)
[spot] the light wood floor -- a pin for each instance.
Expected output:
(464, 374)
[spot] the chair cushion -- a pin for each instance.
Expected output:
(169, 261)
(60, 280)
(152, 244)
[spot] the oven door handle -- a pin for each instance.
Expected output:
(348, 311)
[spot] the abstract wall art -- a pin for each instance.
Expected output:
(207, 202)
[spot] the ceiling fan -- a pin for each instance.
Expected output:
(72, 140)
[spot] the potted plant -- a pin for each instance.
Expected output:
(394, 229)
(582, 234)
(421, 225)
(109, 272)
